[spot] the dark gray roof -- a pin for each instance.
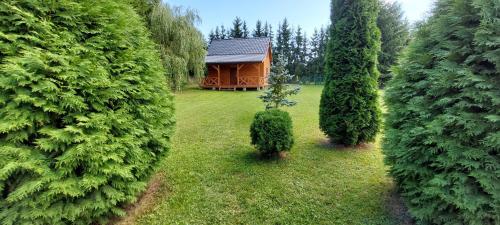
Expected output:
(238, 50)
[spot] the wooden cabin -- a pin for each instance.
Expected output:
(238, 63)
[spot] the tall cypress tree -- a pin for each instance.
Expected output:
(349, 111)
(442, 139)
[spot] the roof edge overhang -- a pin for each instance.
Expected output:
(212, 63)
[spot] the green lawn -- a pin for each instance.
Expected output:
(213, 175)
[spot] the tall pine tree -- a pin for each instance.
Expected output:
(349, 110)
(223, 32)
(270, 33)
(211, 36)
(237, 30)
(298, 57)
(217, 34)
(245, 30)
(313, 64)
(259, 31)
(286, 39)
(442, 133)
(395, 34)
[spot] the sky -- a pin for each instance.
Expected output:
(309, 14)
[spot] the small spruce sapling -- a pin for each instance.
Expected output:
(271, 130)
(279, 90)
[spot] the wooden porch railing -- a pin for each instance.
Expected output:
(242, 82)
(211, 81)
(251, 81)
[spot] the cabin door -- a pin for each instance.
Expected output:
(233, 78)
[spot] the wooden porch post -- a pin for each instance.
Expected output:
(218, 75)
(260, 75)
(238, 74)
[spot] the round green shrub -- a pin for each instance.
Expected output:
(442, 139)
(85, 115)
(271, 131)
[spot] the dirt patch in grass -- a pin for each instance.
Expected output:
(397, 209)
(144, 203)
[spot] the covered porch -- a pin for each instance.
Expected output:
(235, 76)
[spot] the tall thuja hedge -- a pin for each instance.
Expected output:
(85, 111)
(349, 111)
(443, 127)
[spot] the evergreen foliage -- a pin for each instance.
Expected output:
(299, 54)
(279, 90)
(268, 31)
(283, 43)
(237, 30)
(212, 36)
(272, 132)
(259, 30)
(224, 33)
(245, 31)
(349, 110)
(85, 115)
(442, 131)
(316, 56)
(395, 35)
(144, 8)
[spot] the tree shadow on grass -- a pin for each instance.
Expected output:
(255, 157)
(326, 144)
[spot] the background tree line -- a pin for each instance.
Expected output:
(305, 55)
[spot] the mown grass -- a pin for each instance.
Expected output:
(214, 176)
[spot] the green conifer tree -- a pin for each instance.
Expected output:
(259, 31)
(211, 36)
(85, 111)
(244, 30)
(223, 32)
(442, 139)
(237, 30)
(278, 92)
(395, 35)
(217, 34)
(349, 110)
